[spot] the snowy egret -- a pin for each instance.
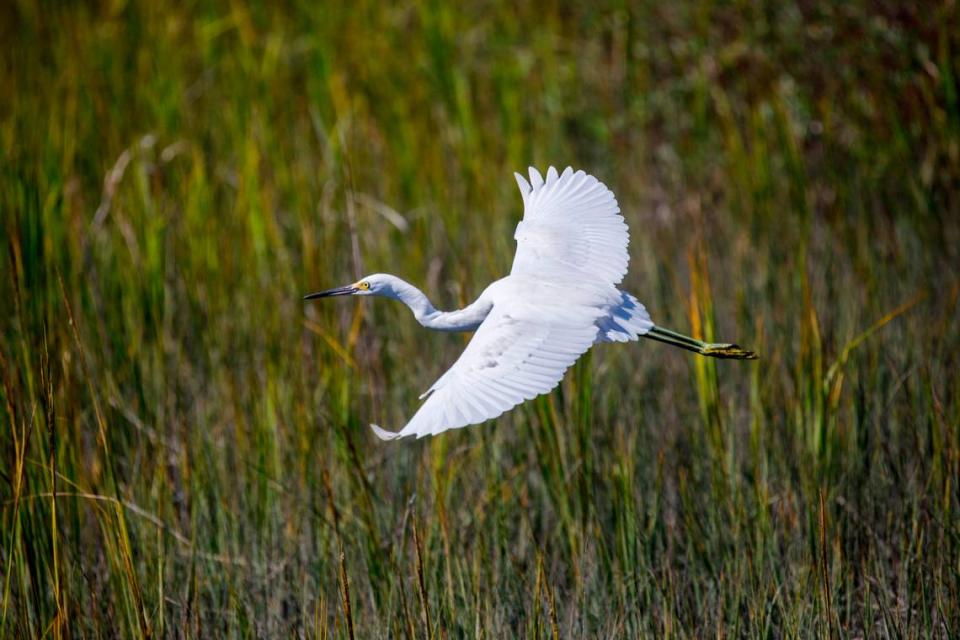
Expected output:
(560, 298)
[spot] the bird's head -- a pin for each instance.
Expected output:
(372, 285)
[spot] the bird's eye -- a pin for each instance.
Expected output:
(364, 285)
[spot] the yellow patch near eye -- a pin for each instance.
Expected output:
(363, 285)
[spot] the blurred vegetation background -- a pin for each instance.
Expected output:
(184, 443)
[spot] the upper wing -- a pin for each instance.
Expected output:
(517, 354)
(571, 231)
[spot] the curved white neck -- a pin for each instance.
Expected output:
(466, 319)
(412, 297)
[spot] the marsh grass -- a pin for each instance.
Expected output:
(184, 443)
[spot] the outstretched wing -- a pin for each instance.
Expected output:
(520, 351)
(571, 231)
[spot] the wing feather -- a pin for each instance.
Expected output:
(571, 231)
(516, 355)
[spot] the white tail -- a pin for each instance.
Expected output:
(626, 322)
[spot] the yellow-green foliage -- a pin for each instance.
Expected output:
(184, 447)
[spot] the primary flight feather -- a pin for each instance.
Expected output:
(560, 298)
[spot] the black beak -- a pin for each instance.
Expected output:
(339, 291)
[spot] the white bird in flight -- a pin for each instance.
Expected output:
(560, 298)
